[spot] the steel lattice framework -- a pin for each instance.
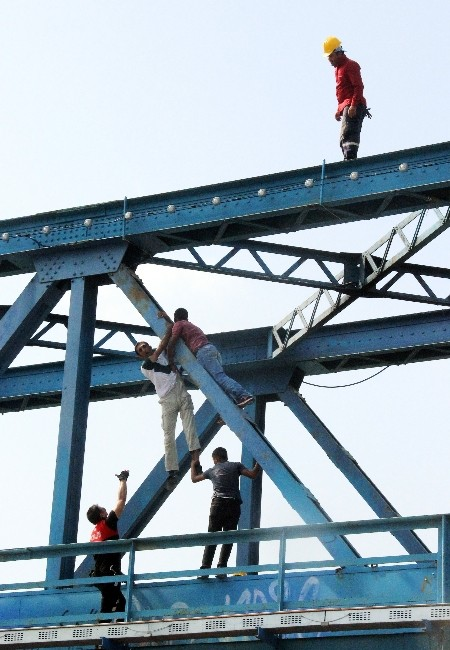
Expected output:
(217, 229)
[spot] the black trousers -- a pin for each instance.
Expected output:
(112, 598)
(223, 515)
(351, 132)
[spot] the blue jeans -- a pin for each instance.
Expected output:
(209, 357)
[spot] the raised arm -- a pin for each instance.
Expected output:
(164, 341)
(122, 494)
(171, 345)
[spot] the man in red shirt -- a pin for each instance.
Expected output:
(352, 107)
(108, 564)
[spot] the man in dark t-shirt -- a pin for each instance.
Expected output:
(108, 564)
(226, 501)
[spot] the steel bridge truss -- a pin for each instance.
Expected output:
(81, 250)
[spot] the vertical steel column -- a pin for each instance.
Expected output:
(281, 570)
(444, 560)
(251, 492)
(73, 422)
(130, 583)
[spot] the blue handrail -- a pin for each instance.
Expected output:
(279, 570)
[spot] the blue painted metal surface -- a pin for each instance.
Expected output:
(374, 580)
(80, 262)
(24, 317)
(349, 467)
(73, 423)
(92, 241)
(333, 348)
(297, 495)
(378, 261)
(347, 278)
(251, 491)
(287, 205)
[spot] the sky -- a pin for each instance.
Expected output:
(107, 99)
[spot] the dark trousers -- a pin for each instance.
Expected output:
(351, 132)
(112, 598)
(223, 515)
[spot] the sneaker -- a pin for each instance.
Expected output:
(172, 480)
(245, 401)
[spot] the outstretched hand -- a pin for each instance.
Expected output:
(124, 474)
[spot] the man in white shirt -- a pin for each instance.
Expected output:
(174, 400)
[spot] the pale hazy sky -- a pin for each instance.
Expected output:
(105, 99)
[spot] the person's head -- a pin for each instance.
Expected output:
(143, 349)
(96, 513)
(220, 455)
(180, 314)
(336, 57)
(332, 49)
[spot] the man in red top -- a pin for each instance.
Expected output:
(108, 564)
(352, 107)
(207, 354)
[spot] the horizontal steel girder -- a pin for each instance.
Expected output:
(412, 624)
(412, 234)
(246, 355)
(346, 281)
(370, 187)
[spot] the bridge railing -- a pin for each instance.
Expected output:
(278, 571)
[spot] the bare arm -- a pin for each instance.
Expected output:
(163, 343)
(196, 477)
(121, 497)
(171, 348)
(251, 473)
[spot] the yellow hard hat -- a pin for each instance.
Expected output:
(330, 44)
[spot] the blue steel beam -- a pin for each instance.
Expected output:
(73, 423)
(230, 262)
(321, 306)
(25, 316)
(290, 486)
(251, 492)
(348, 281)
(364, 580)
(332, 348)
(254, 207)
(152, 493)
(346, 464)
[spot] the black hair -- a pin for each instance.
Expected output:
(220, 452)
(180, 314)
(140, 343)
(93, 514)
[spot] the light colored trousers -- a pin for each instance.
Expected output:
(177, 401)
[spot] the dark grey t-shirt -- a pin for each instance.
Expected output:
(225, 479)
